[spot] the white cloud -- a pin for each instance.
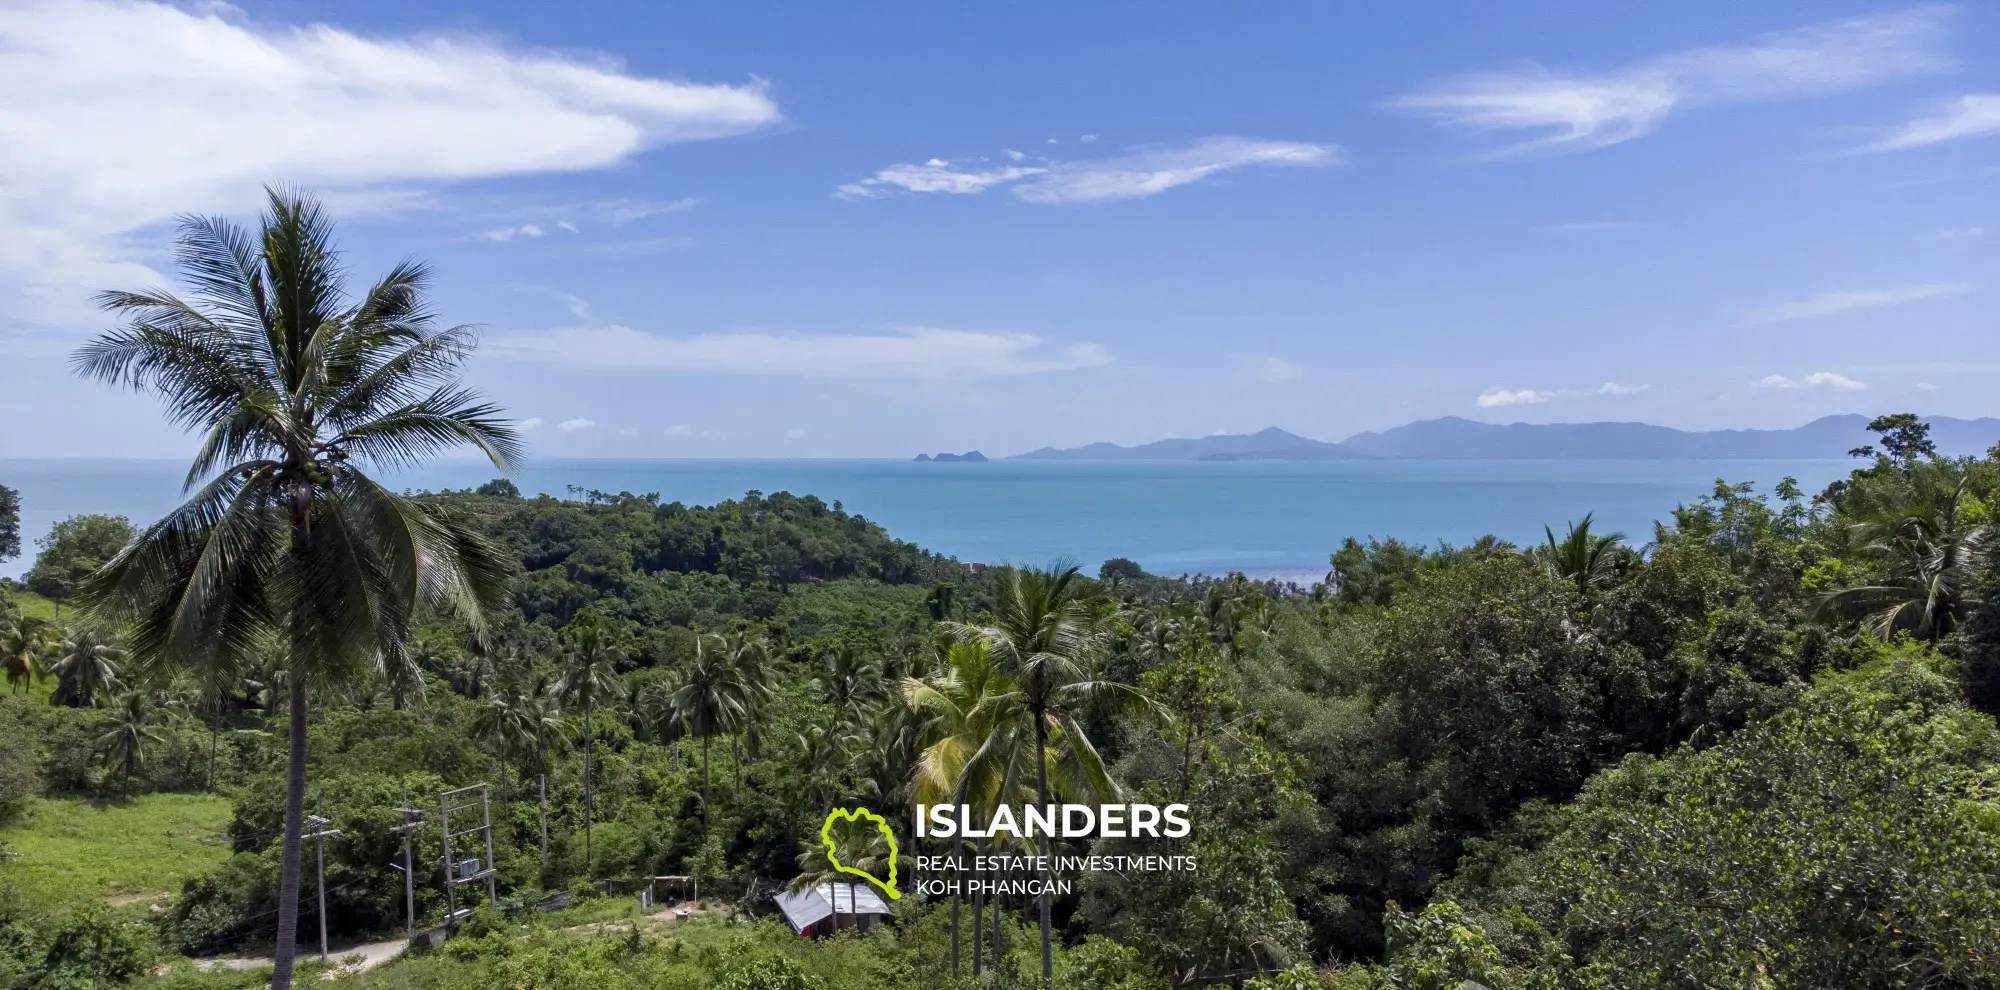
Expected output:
(678, 430)
(1528, 396)
(531, 423)
(1511, 397)
(1927, 386)
(140, 111)
(573, 425)
(505, 234)
(622, 211)
(1581, 111)
(1273, 370)
(936, 175)
(1133, 176)
(1969, 116)
(1818, 379)
(1831, 303)
(1151, 172)
(795, 434)
(1614, 388)
(906, 352)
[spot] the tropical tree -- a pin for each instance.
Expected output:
(1581, 558)
(707, 701)
(10, 523)
(131, 729)
(1931, 561)
(1046, 639)
(295, 385)
(592, 677)
(87, 667)
(954, 706)
(24, 645)
(750, 654)
(504, 726)
(849, 680)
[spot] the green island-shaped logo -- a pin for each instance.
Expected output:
(833, 847)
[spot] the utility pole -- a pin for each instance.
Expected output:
(319, 833)
(471, 870)
(413, 818)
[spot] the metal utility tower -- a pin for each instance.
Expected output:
(320, 832)
(413, 819)
(470, 870)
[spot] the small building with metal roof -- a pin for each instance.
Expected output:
(819, 911)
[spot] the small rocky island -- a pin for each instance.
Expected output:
(972, 456)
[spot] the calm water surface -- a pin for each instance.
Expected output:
(1264, 517)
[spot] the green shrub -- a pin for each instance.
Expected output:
(772, 973)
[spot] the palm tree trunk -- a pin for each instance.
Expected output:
(1042, 798)
(978, 906)
(957, 880)
(214, 731)
(288, 871)
(589, 806)
(704, 782)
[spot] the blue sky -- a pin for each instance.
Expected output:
(714, 229)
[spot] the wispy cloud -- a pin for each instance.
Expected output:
(193, 109)
(1495, 397)
(1831, 303)
(905, 352)
(573, 425)
(1511, 397)
(1134, 176)
(1818, 379)
(1582, 111)
(531, 423)
(1614, 388)
(934, 176)
(622, 211)
(1969, 116)
(502, 235)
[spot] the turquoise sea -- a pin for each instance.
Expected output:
(1266, 518)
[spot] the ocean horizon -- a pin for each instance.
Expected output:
(1268, 519)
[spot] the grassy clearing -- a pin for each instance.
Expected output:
(34, 606)
(73, 852)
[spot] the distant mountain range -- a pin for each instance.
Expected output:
(1453, 438)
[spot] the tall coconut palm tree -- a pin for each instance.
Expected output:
(950, 705)
(295, 385)
(750, 654)
(24, 644)
(503, 725)
(849, 680)
(1045, 638)
(1584, 559)
(592, 677)
(707, 701)
(87, 667)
